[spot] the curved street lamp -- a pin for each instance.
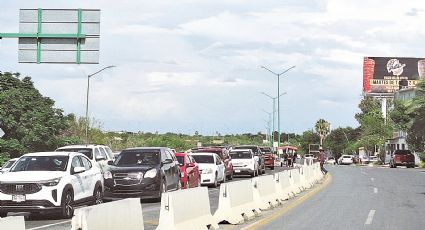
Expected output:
(87, 100)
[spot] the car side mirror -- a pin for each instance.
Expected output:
(110, 162)
(79, 170)
(167, 161)
(190, 165)
(100, 158)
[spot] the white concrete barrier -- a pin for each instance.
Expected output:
(122, 214)
(297, 183)
(236, 203)
(12, 223)
(186, 209)
(283, 185)
(265, 192)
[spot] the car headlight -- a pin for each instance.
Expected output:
(107, 175)
(207, 171)
(52, 182)
(151, 173)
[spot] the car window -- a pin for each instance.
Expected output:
(241, 155)
(109, 152)
(103, 153)
(41, 163)
(180, 159)
(204, 159)
(217, 160)
(76, 162)
(87, 164)
(86, 151)
(99, 152)
(133, 158)
(168, 155)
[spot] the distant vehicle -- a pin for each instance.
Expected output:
(223, 154)
(356, 159)
(402, 158)
(269, 157)
(346, 160)
(211, 167)
(6, 166)
(50, 182)
(244, 162)
(189, 169)
(98, 154)
(374, 159)
(286, 153)
(143, 172)
(309, 156)
(331, 160)
(257, 152)
(364, 159)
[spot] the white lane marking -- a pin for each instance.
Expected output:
(375, 190)
(372, 179)
(370, 217)
(50, 225)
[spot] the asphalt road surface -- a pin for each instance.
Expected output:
(150, 211)
(362, 198)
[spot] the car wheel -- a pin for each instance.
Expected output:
(215, 181)
(272, 168)
(187, 183)
(98, 195)
(3, 214)
(253, 174)
(67, 209)
(264, 170)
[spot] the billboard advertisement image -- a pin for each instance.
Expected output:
(383, 75)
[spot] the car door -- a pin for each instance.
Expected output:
(220, 166)
(195, 171)
(77, 180)
(189, 170)
(90, 175)
(165, 168)
(173, 172)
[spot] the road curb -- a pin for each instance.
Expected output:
(290, 204)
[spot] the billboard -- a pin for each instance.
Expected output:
(383, 75)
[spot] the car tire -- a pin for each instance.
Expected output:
(162, 189)
(253, 174)
(67, 210)
(272, 168)
(215, 185)
(264, 170)
(3, 214)
(98, 195)
(230, 177)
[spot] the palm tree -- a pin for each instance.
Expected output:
(323, 128)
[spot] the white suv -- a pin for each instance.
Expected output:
(244, 162)
(50, 182)
(99, 154)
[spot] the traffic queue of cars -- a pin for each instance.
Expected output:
(58, 182)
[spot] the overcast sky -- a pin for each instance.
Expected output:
(194, 65)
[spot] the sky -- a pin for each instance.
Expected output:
(195, 65)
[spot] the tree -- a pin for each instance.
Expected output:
(29, 120)
(416, 131)
(342, 140)
(307, 138)
(323, 128)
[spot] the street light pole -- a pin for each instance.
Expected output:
(87, 100)
(274, 110)
(269, 128)
(278, 101)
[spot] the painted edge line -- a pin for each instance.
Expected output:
(295, 203)
(50, 225)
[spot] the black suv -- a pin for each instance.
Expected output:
(257, 152)
(144, 172)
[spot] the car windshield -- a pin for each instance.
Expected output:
(402, 152)
(346, 157)
(180, 159)
(131, 158)
(9, 164)
(85, 151)
(209, 159)
(253, 148)
(240, 155)
(41, 163)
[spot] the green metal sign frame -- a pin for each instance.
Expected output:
(39, 35)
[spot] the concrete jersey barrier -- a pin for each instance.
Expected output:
(265, 192)
(283, 185)
(235, 206)
(12, 223)
(122, 214)
(186, 210)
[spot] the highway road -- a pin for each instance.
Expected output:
(362, 198)
(150, 211)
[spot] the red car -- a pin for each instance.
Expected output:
(402, 158)
(224, 155)
(269, 157)
(190, 176)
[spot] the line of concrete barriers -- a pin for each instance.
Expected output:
(239, 201)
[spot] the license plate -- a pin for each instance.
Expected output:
(238, 171)
(18, 198)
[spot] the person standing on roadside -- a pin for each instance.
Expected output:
(322, 160)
